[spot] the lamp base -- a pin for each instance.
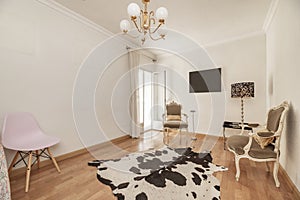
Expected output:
(242, 110)
(242, 115)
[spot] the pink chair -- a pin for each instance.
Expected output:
(22, 133)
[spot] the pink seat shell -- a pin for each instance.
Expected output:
(21, 132)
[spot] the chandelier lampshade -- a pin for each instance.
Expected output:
(133, 10)
(163, 30)
(125, 25)
(161, 13)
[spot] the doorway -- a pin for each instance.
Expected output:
(152, 98)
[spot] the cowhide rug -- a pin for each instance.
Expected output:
(161, 174)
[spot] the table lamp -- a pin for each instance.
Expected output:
(242, 90)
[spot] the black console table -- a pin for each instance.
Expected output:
(237, 125)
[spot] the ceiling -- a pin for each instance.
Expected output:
(206, 21)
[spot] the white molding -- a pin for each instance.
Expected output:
(81, 19)
(67, 12)
(236, 38)
(270, 15)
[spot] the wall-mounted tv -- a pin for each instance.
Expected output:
(205, 81)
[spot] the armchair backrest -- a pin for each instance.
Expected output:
(275, 122)
(276, 117)
(173, 108)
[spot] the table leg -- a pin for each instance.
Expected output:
(224, 138)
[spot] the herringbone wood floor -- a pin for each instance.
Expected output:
(78, 181)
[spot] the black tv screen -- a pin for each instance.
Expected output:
(205, 81)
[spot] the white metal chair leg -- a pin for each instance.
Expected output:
(275, 173)
(237, 166)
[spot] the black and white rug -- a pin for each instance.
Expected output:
(161, 174)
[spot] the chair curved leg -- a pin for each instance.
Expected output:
(237, 166)
(53, 160)
(28, 171)
(275, 173)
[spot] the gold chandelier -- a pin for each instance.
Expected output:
(144, 20)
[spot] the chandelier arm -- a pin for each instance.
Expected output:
(155, 29)
(155, 39)
(151, 19)
(135, 24)
(141, 18)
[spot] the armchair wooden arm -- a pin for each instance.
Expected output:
(186, 117)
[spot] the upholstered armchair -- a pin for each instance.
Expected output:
(263, 145)
(174, 118)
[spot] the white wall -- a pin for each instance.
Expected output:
(243, 60)
(113, 95)
(240, 60)
(178, 70)
(41, 51)
(283, 66)
(113, 87)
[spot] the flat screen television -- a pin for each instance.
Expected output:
(205, 81)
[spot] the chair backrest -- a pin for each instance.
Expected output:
(276, 117)
(18, 125)
(275, 122)
(173, 108)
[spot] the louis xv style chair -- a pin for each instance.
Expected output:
(22, 133)
(173, 119)
(264, 145)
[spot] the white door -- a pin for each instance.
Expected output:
(151, 99)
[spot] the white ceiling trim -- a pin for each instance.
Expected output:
(70, 13)
(67, 12)
(81, 19)
(240, 37)
(270, 15)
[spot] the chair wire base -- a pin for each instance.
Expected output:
(24, 155)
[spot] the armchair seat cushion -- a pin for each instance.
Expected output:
(237, 142)
(175, 124)
(173, 118)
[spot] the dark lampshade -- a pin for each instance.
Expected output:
(243, 89)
